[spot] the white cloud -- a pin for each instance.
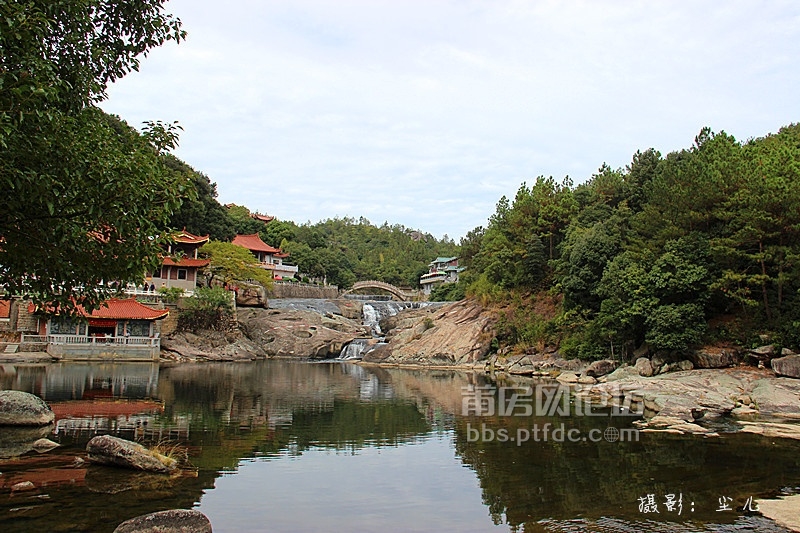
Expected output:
(425, 113)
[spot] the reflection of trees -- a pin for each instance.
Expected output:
(237, 411)
(352, 425)
(543, 480)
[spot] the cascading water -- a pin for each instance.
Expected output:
(373, 312)
(354, 350)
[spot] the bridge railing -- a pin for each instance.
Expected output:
(375, 284)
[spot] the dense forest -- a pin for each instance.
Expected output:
(700, 246)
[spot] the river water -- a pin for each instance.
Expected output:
(279, 446)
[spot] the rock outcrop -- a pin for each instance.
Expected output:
(545, 364)
(457, 334)
(298, 334)
(686, 401)
(113, 451)
(172, 521)
(785, 511)
(208, 345)
(19, 408)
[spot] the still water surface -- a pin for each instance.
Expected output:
(296, 447)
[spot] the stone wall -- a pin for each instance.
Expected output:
(170, 324)
(301, 290)
(26, 322)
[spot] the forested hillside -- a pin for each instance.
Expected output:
(339, 251)
(699, 246)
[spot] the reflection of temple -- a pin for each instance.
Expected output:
(77, 381)
(132, 419)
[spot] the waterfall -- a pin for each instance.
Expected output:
(374, 312)
(354, 350)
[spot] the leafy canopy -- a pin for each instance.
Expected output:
(87, 198)
(233, 263)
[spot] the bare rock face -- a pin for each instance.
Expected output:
(251, 296)
(108, 450)
(19, 408)
(457, 334)
(172, 521)
(209, 345)
(300, 334)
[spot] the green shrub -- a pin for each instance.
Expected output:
(209, 308)
(171, 294)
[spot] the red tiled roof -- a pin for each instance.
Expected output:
(128, 309)
(5, 308)
(187, 238)
(254, 244)
(117, 309)
(186, 262)
(262, 218)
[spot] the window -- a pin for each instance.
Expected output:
(67, 326)
(139, 328)
(181, 273)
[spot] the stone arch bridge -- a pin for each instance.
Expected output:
(397, 292)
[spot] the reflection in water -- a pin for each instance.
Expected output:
(281, 446)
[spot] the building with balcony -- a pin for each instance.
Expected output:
(181, 265)
(441, 270)
(271, 258)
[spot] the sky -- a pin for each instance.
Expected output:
(425, 113)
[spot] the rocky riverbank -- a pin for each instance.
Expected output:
(714, 390)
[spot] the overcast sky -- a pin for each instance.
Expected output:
(424, 113)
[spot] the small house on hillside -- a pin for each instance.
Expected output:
(181, 265)
(441, 270)
(271, 258)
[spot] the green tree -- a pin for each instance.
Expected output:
(232, 263)
(87, 198)
(208, 308)
(244, 223)
(202, 215)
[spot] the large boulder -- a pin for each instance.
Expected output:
(643, 367)
(777, 396)
(109, 450)
(172, 521)
(600, 368)
(788, 366)
(19, 408)
(457, 334)
(714, 358)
